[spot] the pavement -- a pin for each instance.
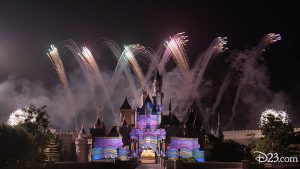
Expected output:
(149, 166)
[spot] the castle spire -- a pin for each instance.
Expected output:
(101, 114)
(82, 132)
(157, 75)
(76, 125)
(125, 104)
(219, 133)
(170, 108)
(219, 119)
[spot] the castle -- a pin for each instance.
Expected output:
(145, 132)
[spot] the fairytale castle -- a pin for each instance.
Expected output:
(144, 132)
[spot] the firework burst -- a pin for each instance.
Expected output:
(176, 46)
(279, 115)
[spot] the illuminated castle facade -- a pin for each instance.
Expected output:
(144, 132)
(147, 134)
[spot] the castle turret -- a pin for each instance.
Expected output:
(81, 143)
(144, 96)
(158, 95)
(219, 133)
(126, 112)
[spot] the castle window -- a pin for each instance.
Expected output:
(148, 113)
(148, 105)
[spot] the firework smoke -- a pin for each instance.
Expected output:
(224, 86)
(246, 64)
(185, 85)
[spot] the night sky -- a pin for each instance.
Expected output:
(28, 28)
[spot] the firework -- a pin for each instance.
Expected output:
(176, 47)
(128, 57)
(201, 64)
(130, 52)
(267, 40)
(90, 62)
(18, 116)
(58, 66)
(114, 47)
(279, 115)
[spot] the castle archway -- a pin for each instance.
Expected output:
(148, 156)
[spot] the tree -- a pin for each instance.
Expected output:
(278, 134)
(37, 125)
(15, 145)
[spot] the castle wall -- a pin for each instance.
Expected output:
(69, 146)
(245, 137)
(183, 146)
(106, 147)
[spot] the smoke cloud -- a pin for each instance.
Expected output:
(63, 109)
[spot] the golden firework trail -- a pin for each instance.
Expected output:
(58, 66)
(130, 52)
(89, 60)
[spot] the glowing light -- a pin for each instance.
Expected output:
(17, 117)
(58, 66)
(278, 114)
(148, 153)
(272, 37)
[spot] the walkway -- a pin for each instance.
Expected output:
(149, 166)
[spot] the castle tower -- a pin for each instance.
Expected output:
(126, 112)
(144, 96)
(158, 95)
(81, 144)
(219, 133)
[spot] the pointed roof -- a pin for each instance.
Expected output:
(148, 100)
(125, 104)
(114, 132)
(98, 124)
(193, 119)
(157, 75)
(124, 123)
(141, 111)
(219, 133)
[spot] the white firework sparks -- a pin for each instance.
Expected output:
(18, 116)
(176, 47)
(278, 114)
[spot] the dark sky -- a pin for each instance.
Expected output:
(27, 29)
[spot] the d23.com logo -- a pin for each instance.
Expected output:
(273, 158)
